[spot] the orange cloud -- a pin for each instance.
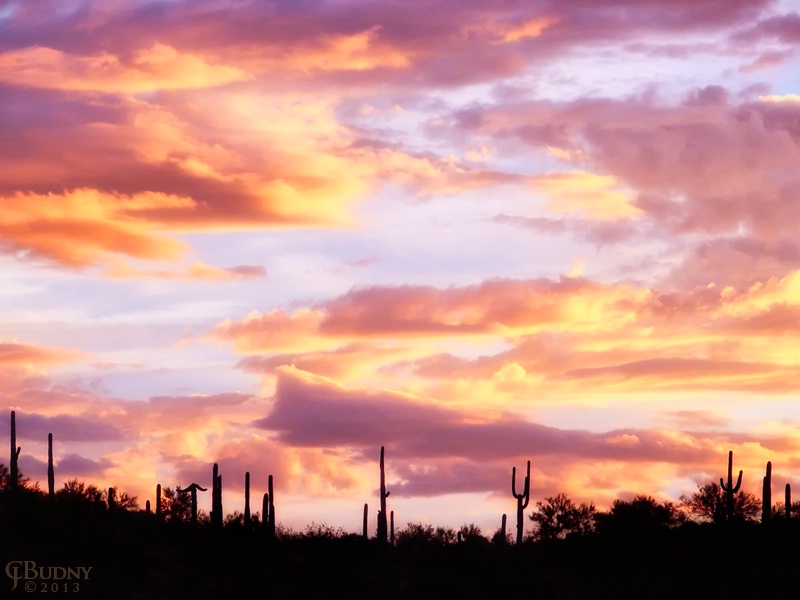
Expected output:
(18, 354)
(160, 67)
(530, 29)
(362, 51)
(560, 336)
(77, 228)
(197, 271)
(596, 196)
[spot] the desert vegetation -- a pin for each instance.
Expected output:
(638, 547)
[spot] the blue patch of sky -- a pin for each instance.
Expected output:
(6, 12)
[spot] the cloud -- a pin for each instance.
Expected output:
(309, 410)
(17, 354)
(435, 449)
(79, 226)
(79, 466)
(346, 361)
(594, 195)
(697, 418)
(64, 427)
(558, 334)
(198, 271)
(159, 67)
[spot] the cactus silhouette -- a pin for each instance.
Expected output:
(158, 500)
(766, 495)
(247, 499)
(364, 532)
(192, 489)
(730, 489)
(147, 507)
(15, 450)
(522, 498)
(271, 507)
(51, 474)
(216, 497)
(382, 528)
(112, 498)
(788, 500)
(391, 528)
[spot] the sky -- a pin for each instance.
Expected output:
(279, 235)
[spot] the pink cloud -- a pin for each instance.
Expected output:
(19, 354)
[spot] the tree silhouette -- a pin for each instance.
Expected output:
(779, 510)
(471, 532)
(422, 534)
(176, 505)
(640, 516)
(558, 517)
(711, 503)
(79, 494)
(22, 481)
(122, 500)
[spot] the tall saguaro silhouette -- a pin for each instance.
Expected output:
(787, 492)
(382, 526)
(247, 499)
(15, 450)
(730, 489)
(192, 489)
(216, 497)
(766, 495)
(268, 508)
(51, 474)
(522, 498)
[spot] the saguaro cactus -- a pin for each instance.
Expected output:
(15, 450)
(364, 532)
(730, 489)
(391, 527)
(522, 499)
(766, 495)
(247, 499)
(382, 528)
(270, 510)
(788, 501)
(112, 498)
(51, 474)
(503, 527)
(158, 500)
(147, 507)
(216, 497)
(192, 489)
(264, 511)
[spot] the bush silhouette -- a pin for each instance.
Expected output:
(710, 503)
(558, 516)
(641, 516)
